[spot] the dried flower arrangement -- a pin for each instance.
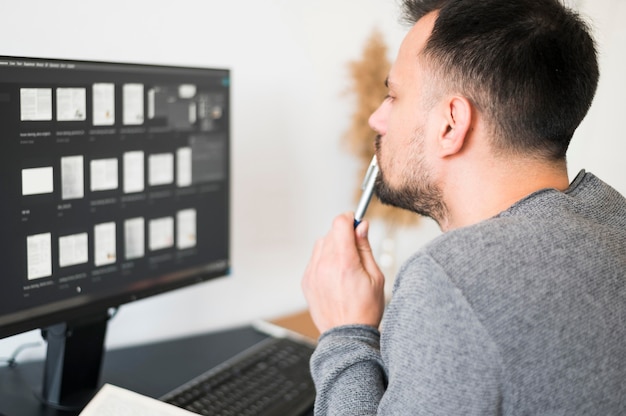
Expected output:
(368, 75)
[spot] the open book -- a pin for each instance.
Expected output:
(116, 401)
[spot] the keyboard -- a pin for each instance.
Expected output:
(270, 378)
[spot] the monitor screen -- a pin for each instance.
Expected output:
(114, 182)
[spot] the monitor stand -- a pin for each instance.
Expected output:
(73, 361)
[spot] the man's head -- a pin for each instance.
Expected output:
(529, 66)
(519, 76)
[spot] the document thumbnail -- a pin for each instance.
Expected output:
(161, 169)
(186, 229)
(73, 249)
(133, 171)
(35, 104)
(103, 174)
(133, 104)
(71, 104)
(72, 177)
(134, 237)
(103, 104)
(37, 181)
(161, 233)
(104, 244)
(39, 255)
(183, 166)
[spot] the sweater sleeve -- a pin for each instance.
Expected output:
(435, 356)
(348, 371)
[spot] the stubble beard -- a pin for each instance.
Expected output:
(418, 192)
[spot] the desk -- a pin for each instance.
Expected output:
(152, 369)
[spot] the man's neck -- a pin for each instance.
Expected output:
(485, 191)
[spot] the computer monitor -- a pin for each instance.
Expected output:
(115, 186)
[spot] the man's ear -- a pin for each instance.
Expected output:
(457, 121)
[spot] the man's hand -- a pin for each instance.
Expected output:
(342, 282)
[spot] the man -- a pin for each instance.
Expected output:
(519, 307)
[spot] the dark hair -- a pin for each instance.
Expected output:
(529, 66)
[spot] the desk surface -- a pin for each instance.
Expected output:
(152, 369)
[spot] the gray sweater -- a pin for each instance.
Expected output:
(521, 314)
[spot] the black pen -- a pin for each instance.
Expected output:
(368, 190)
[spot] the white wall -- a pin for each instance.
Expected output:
(600, 143)
(291, 174)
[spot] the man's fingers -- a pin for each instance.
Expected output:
(365, 252)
